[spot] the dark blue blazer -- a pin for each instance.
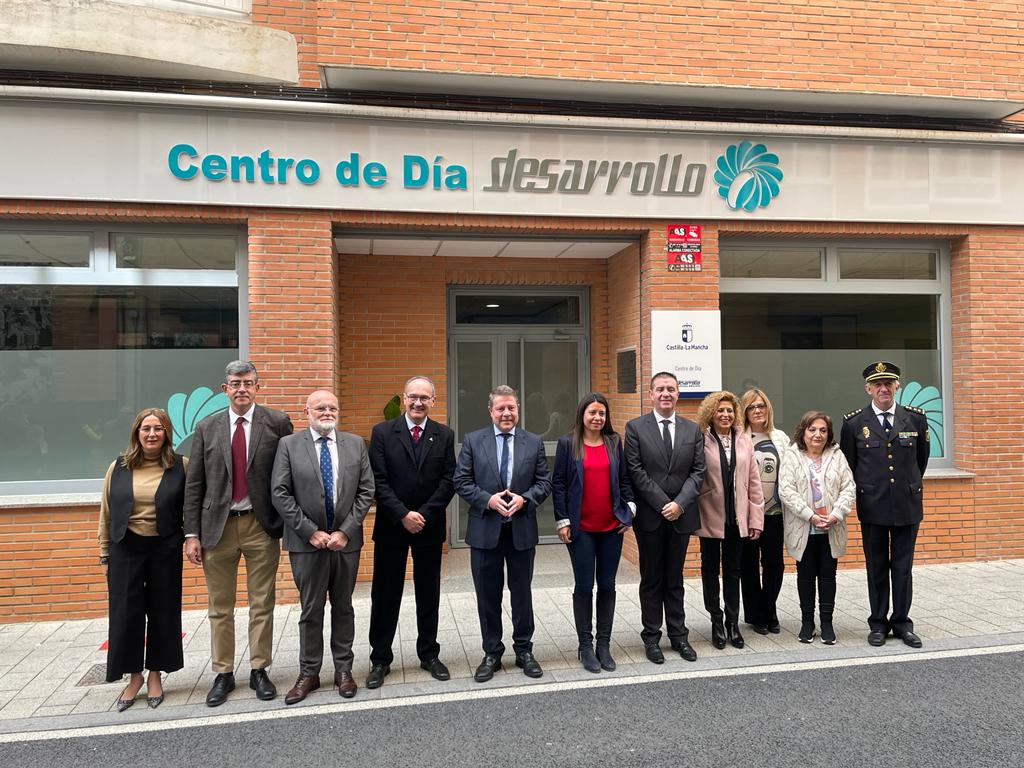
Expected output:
(567, 485)
(476, 480)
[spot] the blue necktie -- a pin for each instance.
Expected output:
(328, 475)
(503, 461)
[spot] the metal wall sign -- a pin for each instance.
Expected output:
(57, 150)
(688, 343)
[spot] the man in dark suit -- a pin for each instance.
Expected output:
(413, 460)
(887, 447)
(228, 515)
(503, 476)
(322, 487)
(665, 456)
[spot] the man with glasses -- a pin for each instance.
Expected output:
(413, 460)
(323, 486)
(229, 515)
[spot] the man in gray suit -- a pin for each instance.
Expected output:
(322, 487)
(665, 458)
(229, 515)
(503, 487)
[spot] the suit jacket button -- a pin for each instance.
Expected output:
(891, 468)
(892, 479)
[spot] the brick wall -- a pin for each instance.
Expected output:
(914, 47)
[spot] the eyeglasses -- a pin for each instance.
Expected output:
(761, 407)
(324, 409)
(241, 384)
(419, 398)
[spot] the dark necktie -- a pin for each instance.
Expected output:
(328, 475)
(886, 424)
(239, 484)
(503, 461)
(416, 429)
(666, 436)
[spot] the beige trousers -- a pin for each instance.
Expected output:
(243, 537)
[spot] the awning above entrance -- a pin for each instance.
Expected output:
(393, 245)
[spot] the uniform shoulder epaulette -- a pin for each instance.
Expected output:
(851, 414)
(914, 409)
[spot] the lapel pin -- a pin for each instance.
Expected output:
(865, 431)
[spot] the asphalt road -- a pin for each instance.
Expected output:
(951, 712)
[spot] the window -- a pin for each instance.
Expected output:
(88, 340)
(806, 343)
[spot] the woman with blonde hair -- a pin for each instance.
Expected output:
(140, 537)
(731, 506)
(817, 492)
(763, 567)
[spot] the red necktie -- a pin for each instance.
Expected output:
(416, 429)
(239, 485)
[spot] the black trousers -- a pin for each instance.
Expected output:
(595, 555)
(723, 555)
(389, 561)
(144, 588)
(761, 573)
(488, 567)
(889, 553)
(662, 553)
(816, 570)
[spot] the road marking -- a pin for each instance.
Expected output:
(496, 693)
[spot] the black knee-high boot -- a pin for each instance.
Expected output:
(583, 612)
(605, 618)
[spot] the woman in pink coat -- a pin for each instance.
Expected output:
(731, 509)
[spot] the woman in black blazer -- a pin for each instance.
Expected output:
(140, 536)
(593, 502)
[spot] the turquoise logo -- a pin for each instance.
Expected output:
(928, 400)
(186, 411)
(748, 176)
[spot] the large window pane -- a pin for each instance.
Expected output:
(77, 363)
(109, 317)
(505, 309)
(870, 264)
(789, 263)
(43, 249)
(174, 251)
(808, 351)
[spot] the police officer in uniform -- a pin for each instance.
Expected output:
(887, 448)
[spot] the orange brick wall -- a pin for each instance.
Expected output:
(914, 47)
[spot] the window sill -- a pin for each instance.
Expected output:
(948, 473)
(28, 501)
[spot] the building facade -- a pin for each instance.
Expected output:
(560, 196)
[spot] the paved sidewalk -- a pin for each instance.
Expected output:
(51, 673)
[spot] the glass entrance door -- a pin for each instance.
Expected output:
(550, 371)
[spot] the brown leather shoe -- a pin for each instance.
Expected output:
(346, 684)
(302, 688)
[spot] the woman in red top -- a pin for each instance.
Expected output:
(593, 502)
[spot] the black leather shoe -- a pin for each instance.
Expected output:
(530, 666)
(911, 639)
(774, 627)
(732, 632)
(876, 638)
(654, 654)
(718, 634)
(260, 682)
(436, 668)
(223, 684)
(761, 629)
(685, 650)
(487, 668)
(377, 674)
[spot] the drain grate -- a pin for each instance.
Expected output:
(96, 675)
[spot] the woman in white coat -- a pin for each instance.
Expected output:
(817, 491)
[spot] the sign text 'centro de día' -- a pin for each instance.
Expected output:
(670, 175)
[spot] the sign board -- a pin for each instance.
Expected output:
(683, 251)
(218, 156)
(688, 343)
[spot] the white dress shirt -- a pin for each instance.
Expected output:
(498, 441)
(243, 503)
(332, 447)
(891, 413)
(671, 426)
